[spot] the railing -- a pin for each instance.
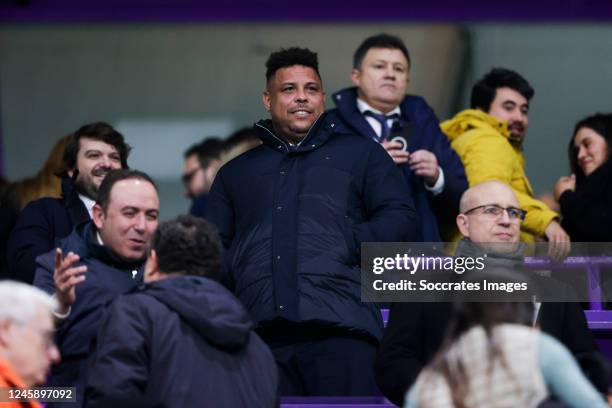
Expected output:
(597, 318)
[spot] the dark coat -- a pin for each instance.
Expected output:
(421, 123)
(587, 212)
(40, 226)
(293, 220)
(181, 342)
(415, 332)
(107, 277)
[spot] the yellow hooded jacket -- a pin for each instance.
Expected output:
(483, 144)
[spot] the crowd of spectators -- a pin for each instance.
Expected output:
(256, 294)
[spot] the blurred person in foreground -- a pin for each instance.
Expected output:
(182, 339)
(492, 357)
(27, 350)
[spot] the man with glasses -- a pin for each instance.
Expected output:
(202, 161)
(490, 222)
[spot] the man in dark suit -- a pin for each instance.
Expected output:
(405, 125)
(92, 151)
(489, 214)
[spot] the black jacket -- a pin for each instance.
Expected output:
(40, 227)
(107, 277)
(415, 332)
(587, 212)
(181, 342)
(293, 219)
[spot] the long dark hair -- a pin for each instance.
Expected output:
(468, 315)
(601, 124)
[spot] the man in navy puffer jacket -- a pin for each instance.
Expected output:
(293, 213)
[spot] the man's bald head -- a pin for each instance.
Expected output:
(479, 218)
(480, 193)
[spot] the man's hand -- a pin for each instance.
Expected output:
(558, 241)
(563, 184)
(66, 278)
(424, 163)
(394, 149)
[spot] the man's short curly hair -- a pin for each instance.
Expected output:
(189, 246)
(290, 57)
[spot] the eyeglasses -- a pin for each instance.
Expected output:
(187, 177)
(494, 211)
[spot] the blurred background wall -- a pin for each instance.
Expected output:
(167, 85)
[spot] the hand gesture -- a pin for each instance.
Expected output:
(558, 241)
(425, 164)
(396, 152)
(563, 184)
(66, 277)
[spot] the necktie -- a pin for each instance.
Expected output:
(385, 130)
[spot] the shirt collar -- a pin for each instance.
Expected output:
(364, 106)
(89, 203)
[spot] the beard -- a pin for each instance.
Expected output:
(86, 185)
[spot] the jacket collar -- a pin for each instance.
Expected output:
(319, 133)
(346, 104)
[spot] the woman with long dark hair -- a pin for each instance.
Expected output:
(492, 357)
(585, 196)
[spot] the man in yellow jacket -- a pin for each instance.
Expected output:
(488, 139)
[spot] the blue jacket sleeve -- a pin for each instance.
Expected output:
(43, 278)
(386, 197)
(32, 236)
(119, 367)
(563, 376)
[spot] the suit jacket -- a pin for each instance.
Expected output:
(39, 228)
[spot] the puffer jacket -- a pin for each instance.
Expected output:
(183, 341)
(293, 219)
(482, 142)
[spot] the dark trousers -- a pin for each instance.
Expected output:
(324, 362)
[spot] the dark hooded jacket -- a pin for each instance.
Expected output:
(40, 227)
(107, 277)
(183, 341)
(422, 131)
(293, 219)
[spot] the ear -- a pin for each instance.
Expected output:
(98, 216)
(265, 98)
(463, 223)
(355, 77)
(70, 172)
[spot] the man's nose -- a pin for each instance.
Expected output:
(504, 219)
(301, 96)
(390, 72)
(140, 222)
